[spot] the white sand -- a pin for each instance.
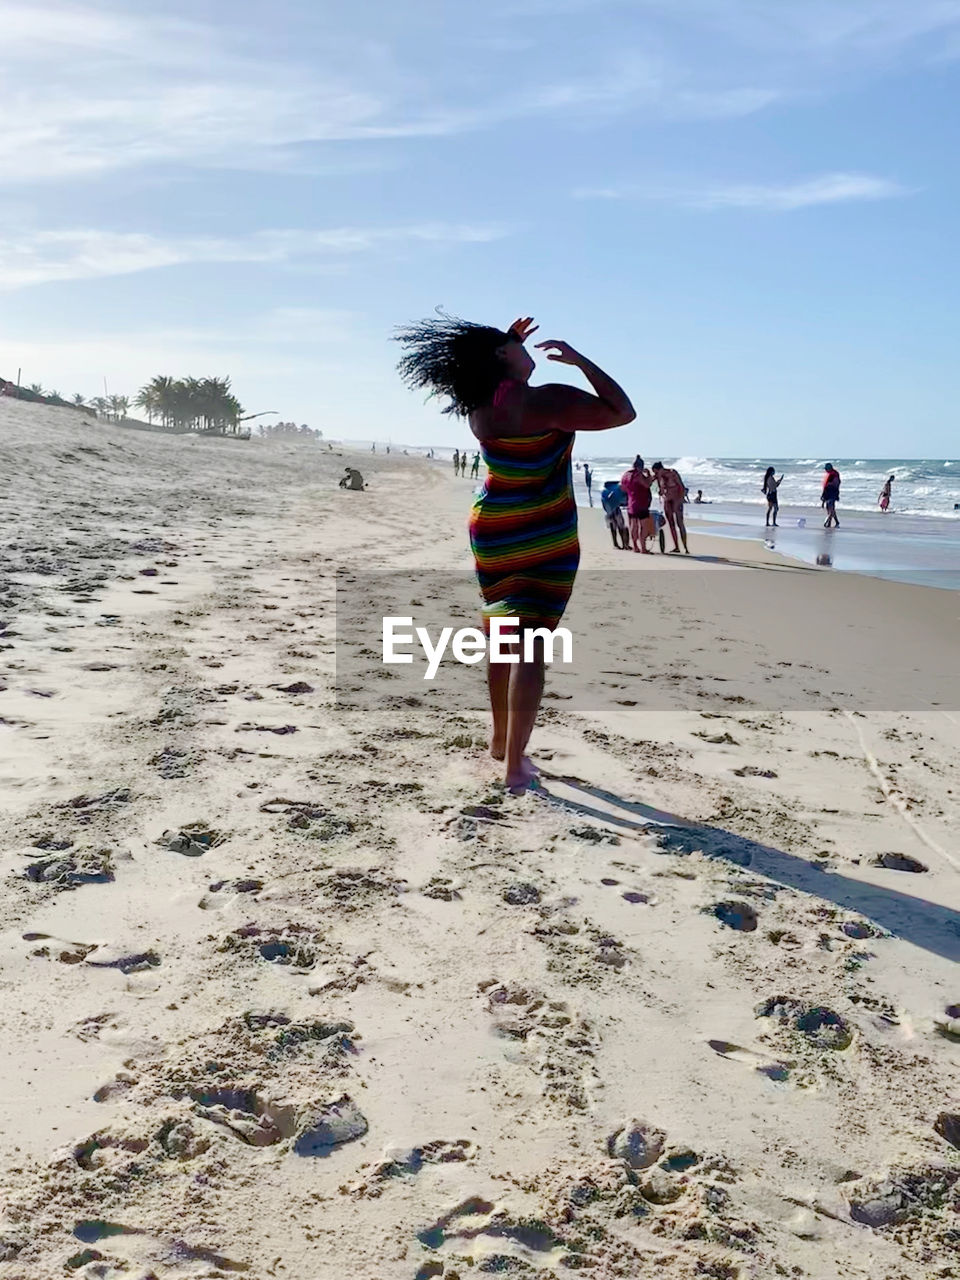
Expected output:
(365, 940)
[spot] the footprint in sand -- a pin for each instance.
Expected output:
(442, 889)
(68, 870)
(521, 895)
(823, 1028)
(860, 929)
(406, 1162)
(97, 955)
(193, 841)
(59, 948)
(900, 862)
(223, 892)
(638, 1143)
(769, 1067)
(115, 1089)
(560, 1045)
(498, 1241)
(735, 915)
(295, 946)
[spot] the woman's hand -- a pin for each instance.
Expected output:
(561, 352)
(523, 328)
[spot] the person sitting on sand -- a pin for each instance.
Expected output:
(831, 494)
(613, 500)
(699, 498)
(771, 486)
(886, 493)
(673, 492)
(351, 479)
(523, 527)
(636, 484)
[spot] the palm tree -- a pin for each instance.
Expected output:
(79, 400)
(205, 404)
(146, 399)
(36, 388)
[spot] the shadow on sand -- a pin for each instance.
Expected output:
(929, 925)
(754, 564)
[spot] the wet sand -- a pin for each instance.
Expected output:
(291, 990)
(900, 548)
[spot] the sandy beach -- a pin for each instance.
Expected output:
(291, 988)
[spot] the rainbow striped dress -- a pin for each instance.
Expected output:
(523, 528)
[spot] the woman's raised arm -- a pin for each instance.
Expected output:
(570, 409)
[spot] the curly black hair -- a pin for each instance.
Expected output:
(454, 358)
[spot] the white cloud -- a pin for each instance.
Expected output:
(825, 189)
(830, 188)
(87, 91)
(44, 256)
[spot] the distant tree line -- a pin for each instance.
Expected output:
(112, 408)
(290, 429)
(189, 404)
(196, 404)
(34, 393)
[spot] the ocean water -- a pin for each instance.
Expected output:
(923, 487)
(917, 540)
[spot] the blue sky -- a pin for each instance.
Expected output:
(744, 209)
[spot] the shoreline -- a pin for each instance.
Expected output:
(924, 550)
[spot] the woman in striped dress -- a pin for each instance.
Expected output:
(523, 527)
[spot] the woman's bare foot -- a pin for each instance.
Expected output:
(524, 778)
(517, 783)
(498, 749)
(529, 768)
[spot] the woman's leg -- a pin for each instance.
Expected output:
(668, 511)
(682, 526)
(523, 701)
(634, 532)
(498, 682)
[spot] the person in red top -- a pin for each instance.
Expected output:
(636, 483)
(831, 494)
(674, 493)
